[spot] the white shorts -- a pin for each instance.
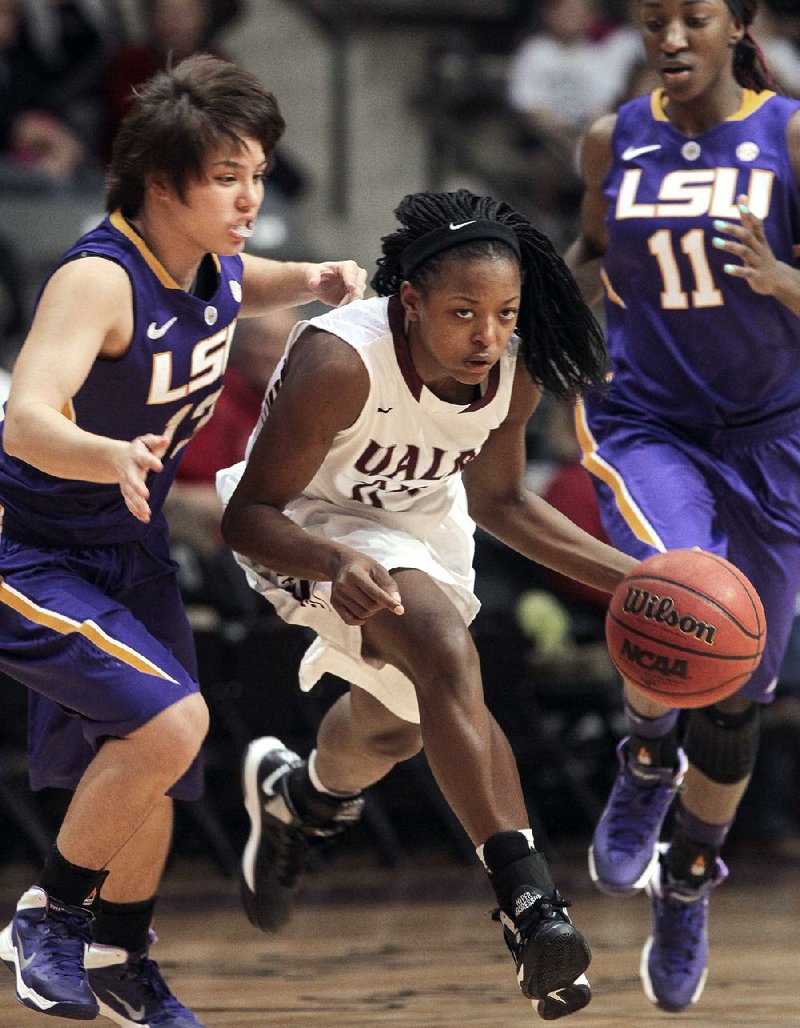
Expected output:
(337, 650)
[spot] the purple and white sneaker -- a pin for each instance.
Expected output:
(44, 945)
(131, 990)
(674, 960)
(624, 850)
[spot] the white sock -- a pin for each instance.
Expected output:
(315, 781)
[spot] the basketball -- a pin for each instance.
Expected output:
(686, 628)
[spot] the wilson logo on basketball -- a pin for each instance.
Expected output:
(655, 662)
(661, 609)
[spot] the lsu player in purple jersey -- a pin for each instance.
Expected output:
(122, 364)
(691, 222)
(391, 427)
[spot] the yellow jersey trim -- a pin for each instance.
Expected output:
(611, 292)
(601, 469)
(121, 224)
(751, 101)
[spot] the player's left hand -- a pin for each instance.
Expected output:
(336, 283)
(759, 267)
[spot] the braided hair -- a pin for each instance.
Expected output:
(749, 65)
(562, 344)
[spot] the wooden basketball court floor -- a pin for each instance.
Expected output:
(370, 947)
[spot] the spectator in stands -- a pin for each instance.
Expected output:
(74, 40)
(173, 29)
(559, 80)
(35, 134)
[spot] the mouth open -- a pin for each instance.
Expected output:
(243, 231)
(675, 72)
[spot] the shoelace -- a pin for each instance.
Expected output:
(63, 936)
(681, 928)
(629, 816)
(544, 908)
(293, 847)
(146, 974)
(295, 842)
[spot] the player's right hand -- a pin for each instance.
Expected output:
(362, 588)
(134, 463)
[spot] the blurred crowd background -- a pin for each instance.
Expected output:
(381, 97)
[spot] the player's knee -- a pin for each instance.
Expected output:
(448, 671)
(722, 743)
(396, 743)
(180, 731)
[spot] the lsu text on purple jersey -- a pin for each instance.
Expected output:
(686, 340)
(167, 383)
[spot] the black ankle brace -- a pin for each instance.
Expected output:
(512, 863)
(76, 886)
(661, 752)
(690, 861)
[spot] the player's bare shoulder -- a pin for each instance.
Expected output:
(597, 149)
(525, 396)
(91, 296)
(326, 370)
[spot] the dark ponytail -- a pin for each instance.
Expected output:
(749, 66)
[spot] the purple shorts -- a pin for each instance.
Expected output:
(100, 637)
(734, 492)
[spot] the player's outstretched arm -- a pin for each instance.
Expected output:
(324, 387)
(272, 285)
(85, 311)
(500, 504)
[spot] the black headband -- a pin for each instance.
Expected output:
(455, 234)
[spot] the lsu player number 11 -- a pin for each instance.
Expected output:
(691, 228)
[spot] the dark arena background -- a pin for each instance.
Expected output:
(381, 98)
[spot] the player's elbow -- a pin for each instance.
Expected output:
(490, 511)
(14, 432)
(231, 525)
(239, 526)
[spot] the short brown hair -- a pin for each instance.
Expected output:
(178, 117)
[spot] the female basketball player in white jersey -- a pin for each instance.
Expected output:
(389, 429)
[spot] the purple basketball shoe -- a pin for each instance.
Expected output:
(624, 850)
(673, 966)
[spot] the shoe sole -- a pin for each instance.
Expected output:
(265, 920)
(611, 888)
(563, 1002)
(559, 962)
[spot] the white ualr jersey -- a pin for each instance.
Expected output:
(400, 462)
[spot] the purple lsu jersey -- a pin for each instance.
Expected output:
(166, 383)
(688, 342)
